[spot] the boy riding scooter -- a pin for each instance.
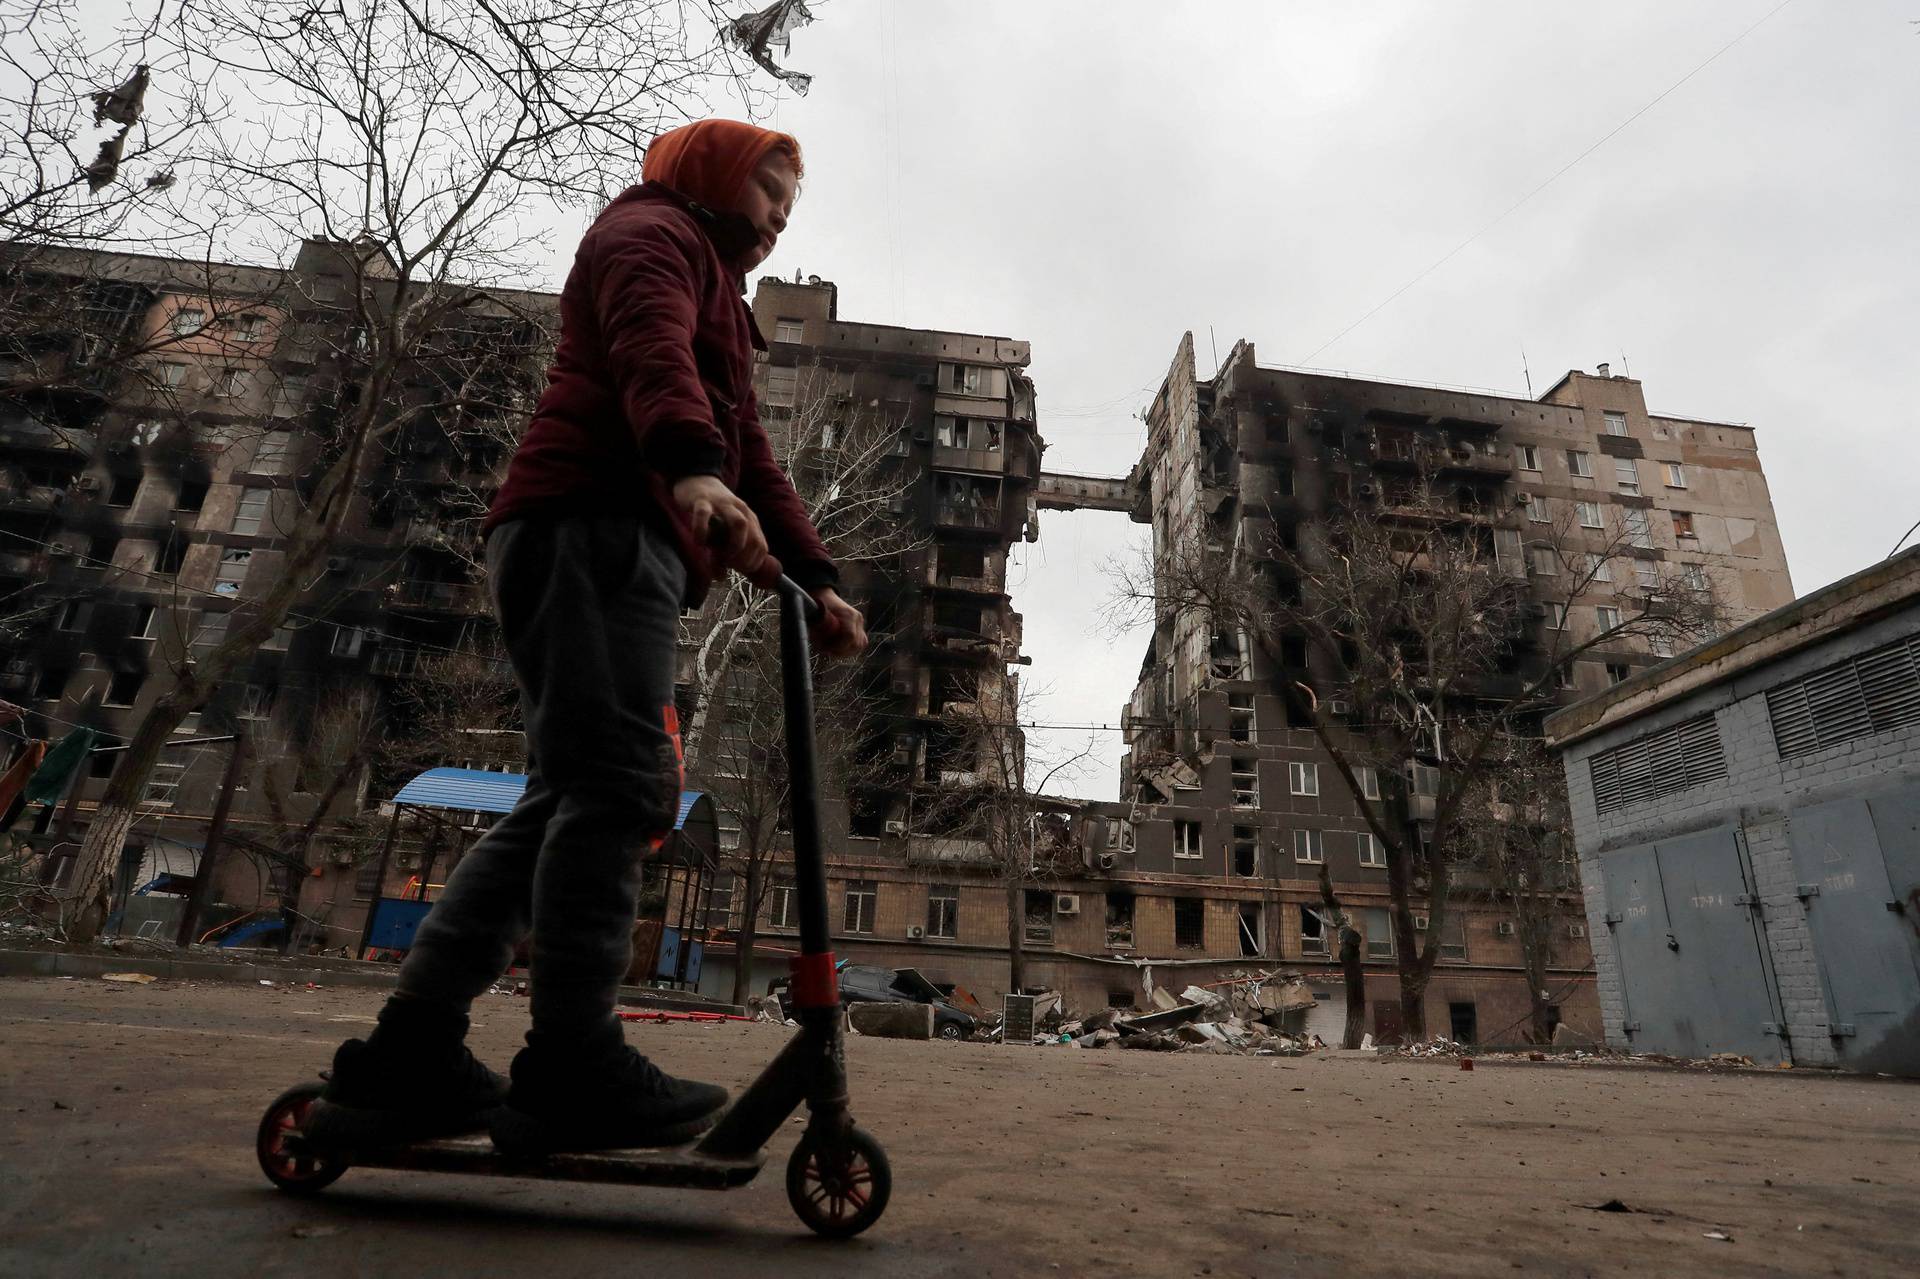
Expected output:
(644, 474)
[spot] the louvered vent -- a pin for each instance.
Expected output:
(1664, 763)
(1868, 694)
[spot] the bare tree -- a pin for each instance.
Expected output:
(1443, 630)
(423, 146)
(991, 794)
(1516, 835)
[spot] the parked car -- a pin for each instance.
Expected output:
(866, 984)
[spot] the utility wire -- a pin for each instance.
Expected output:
(1556, 176)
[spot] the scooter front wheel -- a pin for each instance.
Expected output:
(839, 1193)
(289, 1162)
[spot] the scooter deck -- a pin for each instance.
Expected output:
(681, 1166)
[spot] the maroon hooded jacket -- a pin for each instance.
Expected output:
(652, 381)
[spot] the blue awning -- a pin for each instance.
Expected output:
(478, 790)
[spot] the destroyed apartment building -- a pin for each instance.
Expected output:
(1231, 808)
(161, 425)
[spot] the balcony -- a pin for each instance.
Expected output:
(28, 564)
(25, 434)
(977, 585)
(967, 516)
(437, 597)
(985, 461)
(20, 496)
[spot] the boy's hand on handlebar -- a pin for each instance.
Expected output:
(842, 632)
(735, 533)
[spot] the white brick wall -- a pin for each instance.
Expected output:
(1758, 797)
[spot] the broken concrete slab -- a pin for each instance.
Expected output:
(1178, 1015)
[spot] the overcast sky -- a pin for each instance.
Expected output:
(1099, 177)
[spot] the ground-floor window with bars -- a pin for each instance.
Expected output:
(943, 911)
(863, 896)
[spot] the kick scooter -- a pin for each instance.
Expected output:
(838, 1180)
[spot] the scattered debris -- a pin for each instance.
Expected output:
(137, 979)
(1720, 1235)
(309, 1230)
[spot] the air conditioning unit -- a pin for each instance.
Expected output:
(1365, 490)
(1576, 930)
(1504, 928)
(1107, 861)
(1339, 706)
(903, 687)
(1066, 903)
(921, 435)
(915, 932)
(896, 828)
(87, 484)
(1419, 923)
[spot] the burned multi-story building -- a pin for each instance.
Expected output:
(1234, 805)
(162, 427)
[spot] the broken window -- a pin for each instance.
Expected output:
(189, 320)
(1251, 928)
(192, 495)
(1309, 847)
(1120, 920)
(1313, 932)
(1556, 617)
(1228, 654)
(1189, 923)
(1527, 457)
(124, 687)
(962, 379)
(1246, 784)
(123, 490)
(1618, 673)
(1453, 936)
(1246, 851)
(943, 910)
(1120, 835)
(1373, 853)
(1039, 916)
(780, 905)
(1240, 716)
(863, 895)
(1683, 524)
(76, 614)
(233, 572)
(1186, 839)
(1376, 923)
(1423, 779)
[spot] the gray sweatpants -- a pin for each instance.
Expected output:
(588, 609)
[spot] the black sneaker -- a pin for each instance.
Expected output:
(563, 1103)
(385, 1093)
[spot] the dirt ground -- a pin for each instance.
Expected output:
(127, 1114)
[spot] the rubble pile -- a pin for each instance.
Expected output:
(1255, 1014)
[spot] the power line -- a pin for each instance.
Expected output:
(1556, 176)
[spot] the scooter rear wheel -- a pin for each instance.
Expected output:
(289, 1162)
(839, 1193)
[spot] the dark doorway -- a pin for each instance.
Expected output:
(1464, 1023)
(1387, 1026)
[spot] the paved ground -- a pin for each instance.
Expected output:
(127, 1112)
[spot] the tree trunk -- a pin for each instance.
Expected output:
(1356, 980)
(749, 932)
(84, 906)
(1414, 957)
(1536, 941)
(1016, 935)
(1351, 970)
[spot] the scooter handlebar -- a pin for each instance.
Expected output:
(772, 577)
